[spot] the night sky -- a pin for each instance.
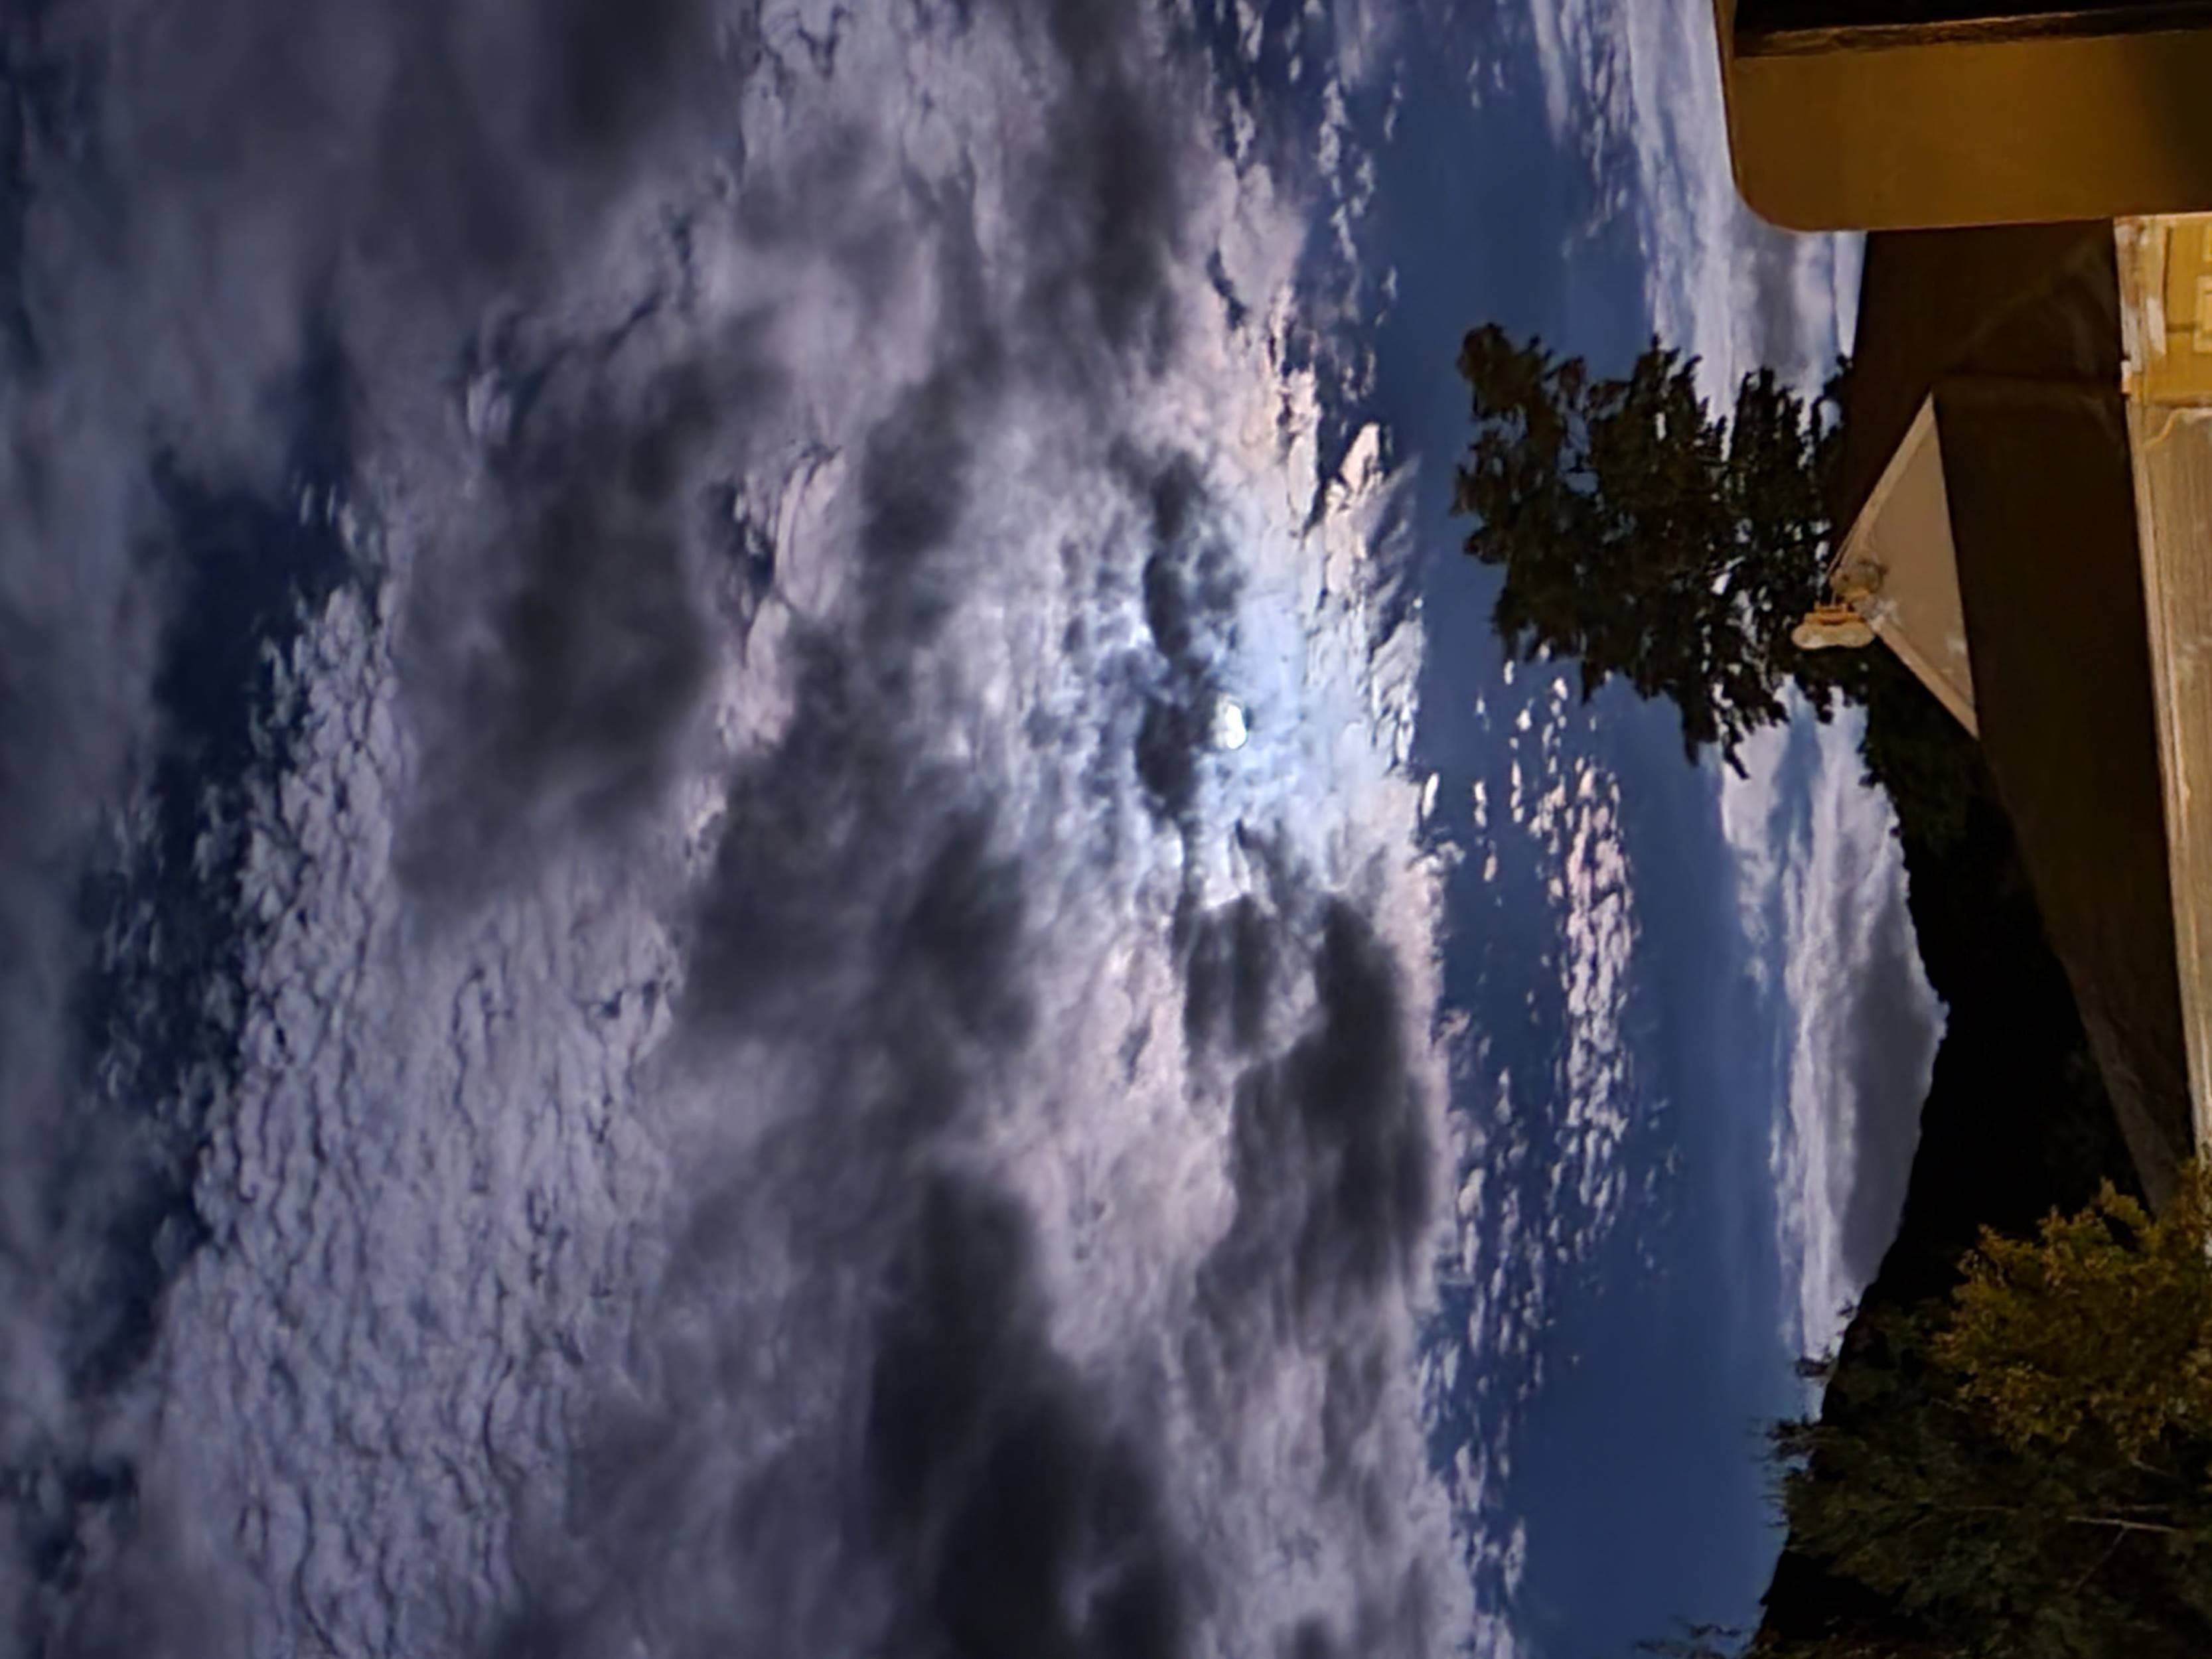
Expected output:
(1741, 979)
(766, 883)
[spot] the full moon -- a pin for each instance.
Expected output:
(1230, 729)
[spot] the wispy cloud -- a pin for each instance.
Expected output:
(1636, 88)
(1822, 902)
(1550, 1110)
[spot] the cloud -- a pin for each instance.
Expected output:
(1331, 1156)
(1568, 805)
(1636, 89)
(1545, 1144)
(1577, 48)
(1022, 1528)
(1724, 283)
(558, 652)
(692, 1145)
(1821, 898)
(1821, 884)
(241, 250)
(1229, 976)
(1899, 1025)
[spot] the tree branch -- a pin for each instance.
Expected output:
(2119, 1525)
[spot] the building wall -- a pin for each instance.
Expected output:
(2015, 333)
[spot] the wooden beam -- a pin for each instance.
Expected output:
(1787, 29)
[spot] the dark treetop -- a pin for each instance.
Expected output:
(1645, 537)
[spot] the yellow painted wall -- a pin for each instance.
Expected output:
(2165, 293)
(2182, 372)
(1920, 132)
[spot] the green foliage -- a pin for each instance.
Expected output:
(1644, 538)
(2024, 1469)
(2099, 1326)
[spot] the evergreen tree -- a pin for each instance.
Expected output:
(1642, 537)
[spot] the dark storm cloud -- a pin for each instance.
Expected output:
(1332, 1169)
(914, 481)
(961, 935)
(554, 665)
(1191, 580)
(1103, 216)
(597, 655)
(571, 697)
(610, 71)
(500, 132)
(62, 1168)
(857, 903)
(85, 1239)
(417, 159)
(914, 487)
(1169, 738)
(777, 918)
(1117, 176)
(974, 1495)
(1105, 211)
(1228, 976)
(1025, 1525)
(566, 707)
(1110, 202)
(134, 1594)
(1190, 591)
(1329, 1154)
(813, 830)
(1190, 587)
(916, 470)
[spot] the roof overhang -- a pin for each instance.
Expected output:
(2031, 112)
(1901, 540)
